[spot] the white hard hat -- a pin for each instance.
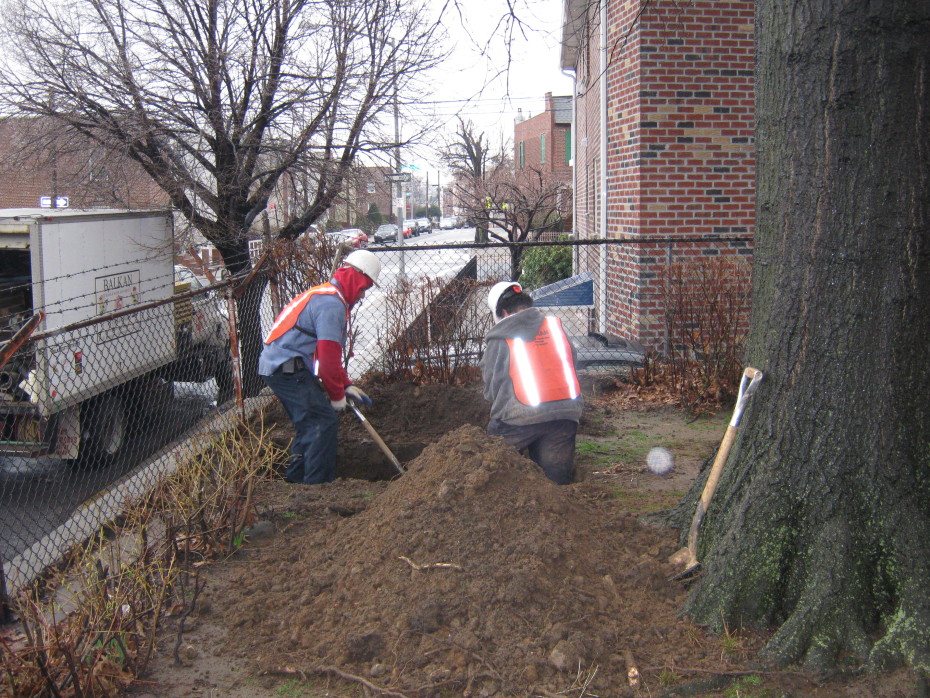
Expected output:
(498, 290)
(365, 262)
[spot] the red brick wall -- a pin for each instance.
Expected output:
(529, 131)
(587, 128)
(69, 168)
(680, 135)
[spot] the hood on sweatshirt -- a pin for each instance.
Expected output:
(352, 283)
(524, 324)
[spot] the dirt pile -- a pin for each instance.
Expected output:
(406, 416)
(472, 573)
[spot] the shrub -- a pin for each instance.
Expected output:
(546, 265)
(374, 216)
(706, 318)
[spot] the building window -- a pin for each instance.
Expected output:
(568, 146)
(522, 155)
(542, 149)
(371, 187)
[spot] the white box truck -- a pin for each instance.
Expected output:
(72, 394)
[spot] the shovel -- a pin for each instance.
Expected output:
(687, 556)
(378, 439)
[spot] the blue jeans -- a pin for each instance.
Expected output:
(316, 426)
(551, 445)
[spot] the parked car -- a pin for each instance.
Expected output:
(424, 225)
(412, 226)
(448, 222)
(387, 232)
(351, 236)
(209, 324)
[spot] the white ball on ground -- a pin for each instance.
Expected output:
(660, 460)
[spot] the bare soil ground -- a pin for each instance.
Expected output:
(471, 574)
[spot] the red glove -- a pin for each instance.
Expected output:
(330, 370)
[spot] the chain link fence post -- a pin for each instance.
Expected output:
(6, 613)
(234, 351)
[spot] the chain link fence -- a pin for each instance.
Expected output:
(95, 410)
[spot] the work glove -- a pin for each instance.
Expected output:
(355, 393)
(338, 405)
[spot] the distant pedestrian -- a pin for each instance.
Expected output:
(302, 363)
(529, 377)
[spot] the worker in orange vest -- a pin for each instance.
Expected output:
(302, 363)
(529, 376)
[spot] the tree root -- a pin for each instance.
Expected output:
(325, 669)
(827, 618)
(907, 633)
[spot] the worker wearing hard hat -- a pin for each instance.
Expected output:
(302, 363)
(529, 379)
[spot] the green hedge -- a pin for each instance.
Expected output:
(546, 265)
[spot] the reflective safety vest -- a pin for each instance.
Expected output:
(287, 318)
(542, 370)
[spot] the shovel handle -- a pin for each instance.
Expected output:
(749, 381)
(710, 486)
(747, 386)
(377, 439)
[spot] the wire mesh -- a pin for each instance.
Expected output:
(101, 402)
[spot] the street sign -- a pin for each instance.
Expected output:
(398, 176)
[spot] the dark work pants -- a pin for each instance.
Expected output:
(551, 445)
(316, 426)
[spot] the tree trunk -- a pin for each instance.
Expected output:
(248, 307)
(481, 228)
(516, 262)
(820, 527)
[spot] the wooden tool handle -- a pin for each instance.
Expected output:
(711, 485)
(378, 440)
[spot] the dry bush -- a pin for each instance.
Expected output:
(433, 331)
(294, 266)
(706, 304)
(206, 505)
(96, 633)
(90, 630)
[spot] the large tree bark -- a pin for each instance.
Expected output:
(821, 525)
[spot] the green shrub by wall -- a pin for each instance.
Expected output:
(546, 265)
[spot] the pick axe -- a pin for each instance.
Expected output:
(374, 435)
(688, 555)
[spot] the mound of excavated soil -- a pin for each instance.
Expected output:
(472, 573)
(406, 416)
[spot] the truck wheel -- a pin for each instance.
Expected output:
(104, 431)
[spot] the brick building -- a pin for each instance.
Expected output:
(38, 166)
(544, 141)
(366, 187)
(663, 144)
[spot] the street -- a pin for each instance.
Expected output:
(39, 494)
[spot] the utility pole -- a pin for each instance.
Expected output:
(399, 203)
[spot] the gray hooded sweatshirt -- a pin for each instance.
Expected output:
(498, 387)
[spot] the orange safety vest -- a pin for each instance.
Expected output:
(287, 318)
(542, 370)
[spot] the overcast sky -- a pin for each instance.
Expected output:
(478, 83)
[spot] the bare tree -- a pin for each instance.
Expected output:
(221, 102)
(525, 203)
(469, 155)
